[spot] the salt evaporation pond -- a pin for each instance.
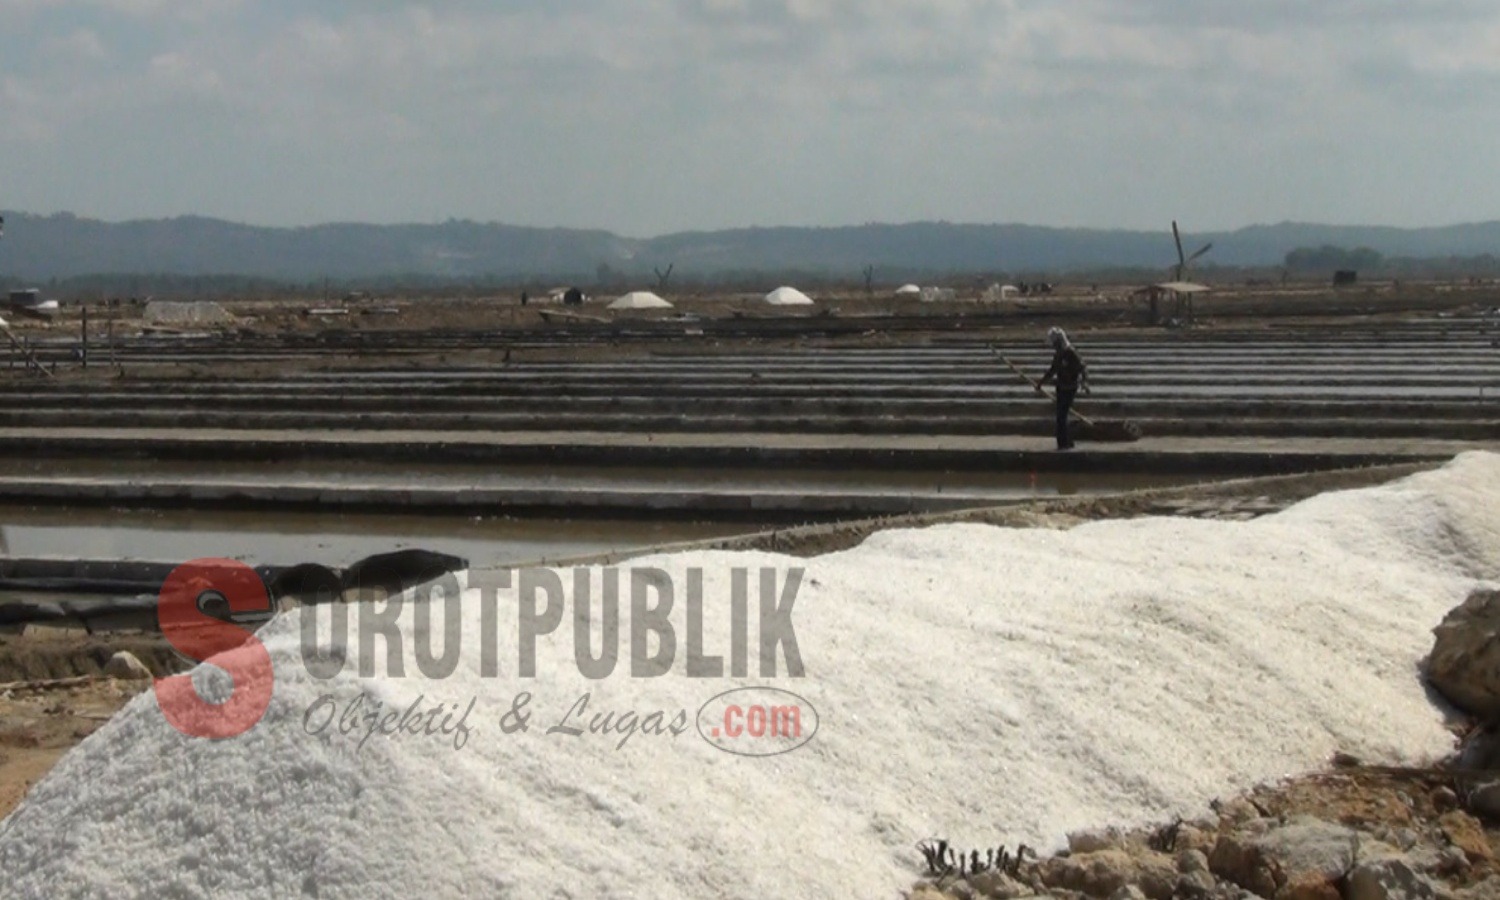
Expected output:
(985, 684)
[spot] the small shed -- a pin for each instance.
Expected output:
(1181, 293)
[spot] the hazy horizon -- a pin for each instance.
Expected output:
(655, 117)
(1166, 228)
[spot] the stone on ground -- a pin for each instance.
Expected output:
(1465, 661)
(126, 666)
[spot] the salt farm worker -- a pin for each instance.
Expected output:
(1069, 372)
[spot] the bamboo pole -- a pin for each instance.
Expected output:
(31, 361)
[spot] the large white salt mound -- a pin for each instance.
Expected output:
(640, 300)
(788, 296)
(983, 684)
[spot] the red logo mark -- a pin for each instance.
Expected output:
(184, 610)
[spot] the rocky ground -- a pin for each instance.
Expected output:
(1351, 832)
(42, 720)
(56, 688)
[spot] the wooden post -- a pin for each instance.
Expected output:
(84, 328)
(25, 349)
(661, 277)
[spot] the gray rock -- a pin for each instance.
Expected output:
(1480, 750)
(1304, 849)
(125, 665)
(1128, 892)
(1237, 859)
(1485, 800)
(1444, 799)
(1094, 841)
(1307, 845)
(1388, 879)
(1197, 886)
(1487, 889)
(1453, 859)
(999, 885)
(1199, 837)
(962, 891)
(1103, 873)
(1190, 861)
(1237, 812)
(1465, 661)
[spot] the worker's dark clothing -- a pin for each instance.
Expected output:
(1068, 372)
(1064, 403)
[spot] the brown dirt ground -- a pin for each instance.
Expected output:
(53, 695)
(39, 725)
(1109, 311)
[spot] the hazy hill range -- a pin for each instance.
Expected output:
(36, 248)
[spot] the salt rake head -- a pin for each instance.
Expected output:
(938, 855)
(942, 861)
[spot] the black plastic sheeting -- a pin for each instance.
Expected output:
(306, 583)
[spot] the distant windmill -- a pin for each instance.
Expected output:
(1179, 289)
(1184, 261)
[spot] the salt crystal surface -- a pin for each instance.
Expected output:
(983, 684)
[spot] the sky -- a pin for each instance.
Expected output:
(646, 117)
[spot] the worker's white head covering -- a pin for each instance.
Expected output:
(1057, 338)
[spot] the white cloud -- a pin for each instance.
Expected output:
(661, 114)
(81, 47)
(190, 10)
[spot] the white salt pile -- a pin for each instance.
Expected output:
(186, 312)
(982, 684)
(788, 296)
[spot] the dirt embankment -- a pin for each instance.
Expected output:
(1352, 832)
(39, 723)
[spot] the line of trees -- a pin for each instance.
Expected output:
(1328, 258)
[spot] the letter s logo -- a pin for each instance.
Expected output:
(201, 637)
